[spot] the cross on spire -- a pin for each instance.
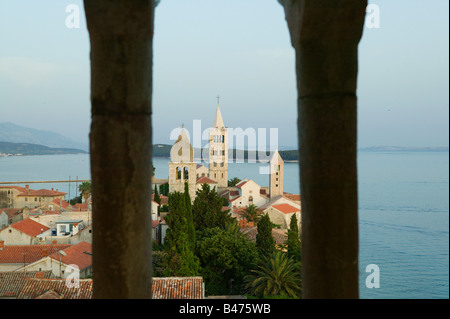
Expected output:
(218, 98)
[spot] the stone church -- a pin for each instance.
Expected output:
(183, 168)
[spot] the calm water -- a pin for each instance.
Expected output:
(404, 212)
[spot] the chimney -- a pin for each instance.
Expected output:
(25, 213)
(40, 275)
(54, 242)
(44, 252)
(2, 244)
(27, 187)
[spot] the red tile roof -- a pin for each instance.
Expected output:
(20, 254)
(286, 208)
(50, 288)
(60, 202)
(177, 288)
(79, 207)
(164, 199)
(20, 189)
(79, 254)
(293, 197)
(206, 180)
(30, 227)
(241, 184)
(12, 282)
(41, 192)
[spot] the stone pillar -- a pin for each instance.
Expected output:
(325, 35)
(121, 33)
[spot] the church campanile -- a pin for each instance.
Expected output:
(218, 150)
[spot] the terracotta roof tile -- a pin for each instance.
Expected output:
(286, 208)
(30, 227)
(293, 197)
(241, 184)
(11, 282)
(41, 192)
(42, 288)
(79, 254)
(206, 180)
(20, 254)
(177, 288)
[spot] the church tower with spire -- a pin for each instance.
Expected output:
(276, 175)
(218, 150)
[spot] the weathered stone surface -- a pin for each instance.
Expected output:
(121, 35)
(325, 35)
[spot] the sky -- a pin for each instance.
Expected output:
(239, 50)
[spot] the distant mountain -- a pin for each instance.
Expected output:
(10, 132)
(8, 148)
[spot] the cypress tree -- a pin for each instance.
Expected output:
(157, 198)
(293, 241)
(264, 238)
(189, 217)
(180, 258)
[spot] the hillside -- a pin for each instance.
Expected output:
(10, 132)
(15, 149)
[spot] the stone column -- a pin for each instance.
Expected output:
(121, 33)
(325, 35)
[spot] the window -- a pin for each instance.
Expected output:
(221, 164)
(186, 173)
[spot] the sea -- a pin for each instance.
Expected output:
(403, 212)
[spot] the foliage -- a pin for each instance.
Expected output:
(207, 209)
(226, 259)
(180, 260)
(293, 243)
(189, 218)
(277, 274)
(85, 189)
(233, 182)
(76, 200)
(251, 213)
(164, 189)
(157, 198)
(264, 238)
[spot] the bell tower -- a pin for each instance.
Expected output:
(276, 175)
(218, 150)
(182, 167)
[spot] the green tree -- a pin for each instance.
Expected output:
(277, 274)
(226, 258)
(189, 217)
(164, 189)
(293, 243)
(233, 182)
(157, 198)
(264, 238)
(251, 213)
(207, 209)
(180, 258)
(85, 190)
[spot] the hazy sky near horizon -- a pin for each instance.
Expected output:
(240, 50)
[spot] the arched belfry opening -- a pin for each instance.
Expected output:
(325, 35)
